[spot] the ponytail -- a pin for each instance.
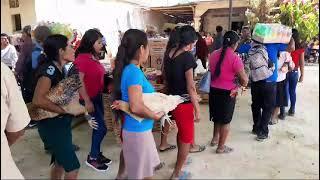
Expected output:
(173, 41)
(230, 38)
(121, 61)
(218, 66)
(131, 41)
(181, 37)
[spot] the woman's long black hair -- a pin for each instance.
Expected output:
(131, 41)
(87, 42)
(51, 47)
(296, 38)
(230, 38)
(181, 37)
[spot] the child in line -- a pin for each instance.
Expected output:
(285, 64)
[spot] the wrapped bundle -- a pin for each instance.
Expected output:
(59, 28)
(157, 102)
(64, 29)
(64, 94)
(271, 33)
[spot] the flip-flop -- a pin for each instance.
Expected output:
(171, 147)
(272, 123)
(159, 166)
(183, 175)
(226, 150)
(213, 144)
(201, 148)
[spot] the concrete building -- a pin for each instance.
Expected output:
(15, 14)
(110, 16)
(206, 15)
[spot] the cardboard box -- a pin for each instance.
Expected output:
(271, 33)
(157, 49)
(157, 61)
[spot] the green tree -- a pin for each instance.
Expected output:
(302, 15)
(261, 11)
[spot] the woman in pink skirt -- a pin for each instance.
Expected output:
(138, 147)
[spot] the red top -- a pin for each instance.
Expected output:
(296, 57)
(93, 74)
(202, 50)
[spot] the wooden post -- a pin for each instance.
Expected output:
(230, 14)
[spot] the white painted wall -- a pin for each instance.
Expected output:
(109, 17)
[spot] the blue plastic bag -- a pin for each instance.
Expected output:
(204, 84)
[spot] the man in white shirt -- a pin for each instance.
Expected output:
(9, 54)
(14, 118)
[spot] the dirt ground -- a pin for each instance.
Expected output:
(291, 152)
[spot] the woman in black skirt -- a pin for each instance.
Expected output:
(225, 65)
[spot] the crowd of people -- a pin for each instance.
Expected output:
(272, 70)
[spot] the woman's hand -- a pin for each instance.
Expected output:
(301, 79)
(243, 89)
(197, 116)
(89, 106)
(93, 123)
(199, 98)
(234, 93)
(116, 105)
(158, 116)
(285, 68)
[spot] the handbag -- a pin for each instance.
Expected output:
(205, 81)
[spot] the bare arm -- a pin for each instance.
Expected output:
(19, 117)
(14, 56)
(13, 136)
(40, 96)
(164, 78)
(193, 93)
(243, 77)
(301, 62)
(84, 94)
(137, 106)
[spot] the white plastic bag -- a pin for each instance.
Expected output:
(199, 69)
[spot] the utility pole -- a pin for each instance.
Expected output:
(230, 14)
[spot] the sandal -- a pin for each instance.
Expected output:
(183, 175)
(170, 147)
(199, 149)
(272, 122)
(225, 150)
(213, 143)
(159, 166)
